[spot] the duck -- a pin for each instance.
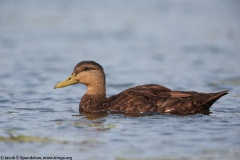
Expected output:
(138, 100)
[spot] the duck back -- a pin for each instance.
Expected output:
(155, 98)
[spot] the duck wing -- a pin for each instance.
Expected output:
(135, 99)
(156, 98)
(180, 102)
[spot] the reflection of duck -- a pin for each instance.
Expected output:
(150, 98)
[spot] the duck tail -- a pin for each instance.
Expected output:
(214, 97)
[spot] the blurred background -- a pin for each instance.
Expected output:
(181, 44)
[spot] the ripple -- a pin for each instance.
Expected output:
(36, 109)
(213, 49)
(5, 101)
(25, 109)
(120, 85)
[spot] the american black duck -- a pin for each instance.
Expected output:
(150, 98)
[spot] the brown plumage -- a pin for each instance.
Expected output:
(150, 98)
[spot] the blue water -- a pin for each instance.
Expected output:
(184, 45)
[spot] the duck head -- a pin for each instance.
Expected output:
(88, 73)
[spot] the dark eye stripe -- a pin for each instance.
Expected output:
(86, 68)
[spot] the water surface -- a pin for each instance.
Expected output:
(182, 44)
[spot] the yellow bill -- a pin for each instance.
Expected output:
(69, 81)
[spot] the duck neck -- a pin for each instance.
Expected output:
(97, 88)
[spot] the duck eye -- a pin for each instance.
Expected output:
(85, 68)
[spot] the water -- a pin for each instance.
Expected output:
(184, 45)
